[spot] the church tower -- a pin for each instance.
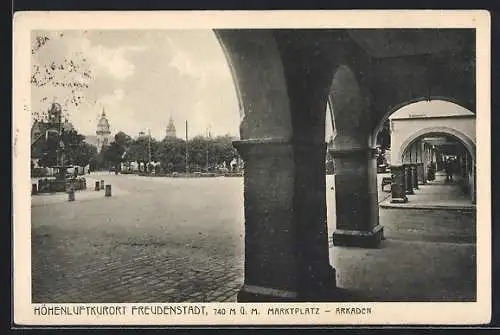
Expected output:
(103, 132)
(171, 129)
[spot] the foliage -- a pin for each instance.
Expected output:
(112, 154)
(71, 146)
(70, 76)
(123, 140)
(171, 154)
(384, 137)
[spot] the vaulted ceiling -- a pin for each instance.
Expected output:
(383, 43)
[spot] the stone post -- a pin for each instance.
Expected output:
(71, 194)
(34, 189)
(102, 184)
(107, 191)
(398, 186)
(97, 186)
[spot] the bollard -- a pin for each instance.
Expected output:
(34, 189)
(102, 184)
(97, 187)
(84, 184)
(71, 194)
(108, 191)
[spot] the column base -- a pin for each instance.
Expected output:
(254, 293)
(399, 200)
(357, 238)
(309, 293)
(250, 293)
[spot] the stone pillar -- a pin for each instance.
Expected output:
(286, 242)
(71, 194)
(414, 176)
(107, 192)
(408, 179)
(398, 186)
(356, 198)
(473, 181)
(421, 164)
(420, 173)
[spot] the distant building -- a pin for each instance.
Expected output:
(53, 124)
(103, 132)
(52, 127)
(171, 129)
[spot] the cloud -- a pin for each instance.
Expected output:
(189, 60)
(103, 60)
(142, 78)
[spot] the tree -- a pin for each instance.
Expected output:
(384, 136)
(84, 154)
(70, 76)
(171, 154)
(223, 149)
(68, 145)
(198, 147)
(123, 139)
(113, 154)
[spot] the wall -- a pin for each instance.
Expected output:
(404, 129)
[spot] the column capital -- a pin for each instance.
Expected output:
(354, 152)
(273, 146)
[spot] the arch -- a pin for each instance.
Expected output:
(233, 72)
(464, 139)
(395, 108)
(257, 69)
(348, 103)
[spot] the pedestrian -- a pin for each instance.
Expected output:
(449, 170)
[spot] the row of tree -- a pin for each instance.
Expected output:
(203, 153)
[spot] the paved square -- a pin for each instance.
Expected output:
(182, 240)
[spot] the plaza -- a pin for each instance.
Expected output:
(182, 240)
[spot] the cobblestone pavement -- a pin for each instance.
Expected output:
(143, 245)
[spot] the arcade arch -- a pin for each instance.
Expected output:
(284, 80)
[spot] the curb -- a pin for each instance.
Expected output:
(387, 204)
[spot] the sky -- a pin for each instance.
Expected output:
(141, 79)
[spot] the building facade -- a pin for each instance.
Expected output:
(103, 132)
(170, 131)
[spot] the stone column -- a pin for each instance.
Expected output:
(421, 164)
(414, 176)
(398, 186)
(356, 198)
(408, 179)
(286, 242)
(421, 173)
(473, 181)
